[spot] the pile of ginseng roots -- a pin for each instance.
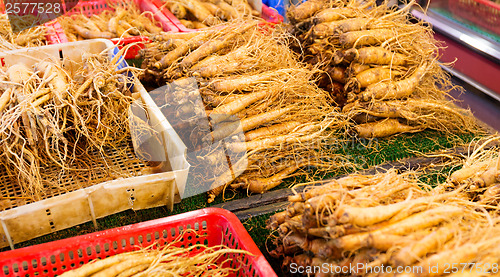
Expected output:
(261, 102)
(120, 21)
(395, 221)
(28, 36)
(197, 14)
(56, 123)
(379, 66)
(171, 259)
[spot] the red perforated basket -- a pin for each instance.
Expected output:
(484, 13)
(268, 14)
(53, 28)
(55, 33)
(89, 8)
(214, 227)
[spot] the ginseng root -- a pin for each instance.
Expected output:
(384, 128)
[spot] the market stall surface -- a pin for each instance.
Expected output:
(371, 152)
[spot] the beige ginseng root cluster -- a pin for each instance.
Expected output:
(480, 174)
(168, 260)
(247, 72)
(121, 21)
(197, 14)
(56, 122)
(28, 36)
(381, 67)
(388, 220)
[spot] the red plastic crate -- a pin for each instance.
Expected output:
(54, 29)
(271, 15)
(89, 8)
(484, 13)
(213, 225)
(55, 33)
(268, 14)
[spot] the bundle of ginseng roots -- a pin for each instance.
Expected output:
(251, 84)
(197, 14)
(125, 20)
(57, 124)
(168, 260)
(380, 67)
(389, 221)
(28, 36)
(480, 174)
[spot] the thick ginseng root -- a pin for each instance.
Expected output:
(125, 265)
(264, 143)
(177, 9)
(229, 11)
(364, 38)
(291, 224)
(214, 45)
(384, 128)
(385, 242)
(229, 63)
(361, 216)
(351, 181)
(133, 270)
(261, 185)
(295, 209)
(491, 196)
(263, 118)
(375, 55)
(486, 178)
(413, 252)
(277, 219)
(337, 73)
(165, 36)
(180, 51)
(226, 130)
(355, 68)
(306, 9)
(334, 14)
(326, 29)
(199, 25)
(199, 11)
(58, 82)
(383, 109)
(467, 172)
(188, 24)
(91, 268)
(246, 82)
(271, 130)
(5, 98)
(392, 90)
(88, 34)
(369, 77)
(19, 73)
(319, 247)
(225, 111)
(408, 225)
(359, 24)
(463, 254)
